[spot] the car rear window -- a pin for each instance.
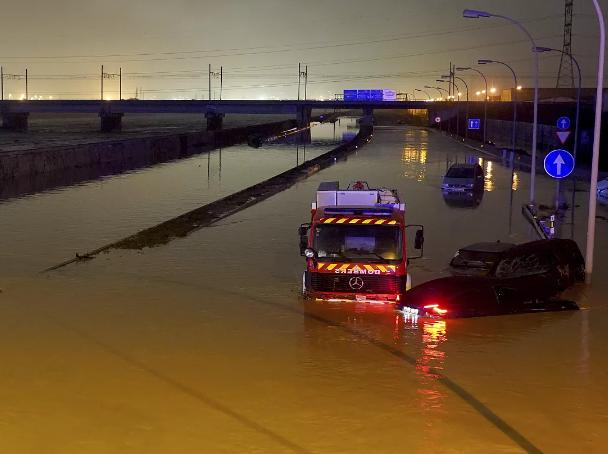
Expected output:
(523, 265)
(475, 259)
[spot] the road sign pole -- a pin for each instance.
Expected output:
(596, 146)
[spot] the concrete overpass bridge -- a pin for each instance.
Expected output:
(15, 112)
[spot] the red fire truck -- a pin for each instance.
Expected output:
(355, 245)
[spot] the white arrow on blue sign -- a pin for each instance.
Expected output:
(474, 123)
(559, 164)
(563, 123)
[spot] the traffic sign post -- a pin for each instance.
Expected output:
(559, 164)
(563, 123)
(474, 123)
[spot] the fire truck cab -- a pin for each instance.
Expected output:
(355, 245)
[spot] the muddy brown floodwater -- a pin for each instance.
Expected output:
(203, 345)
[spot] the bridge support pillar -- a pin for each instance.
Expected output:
(368, 117)
(214, 121)
(303, 116)
(111, 121)
(15, 121)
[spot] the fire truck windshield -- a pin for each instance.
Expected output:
(358, 243)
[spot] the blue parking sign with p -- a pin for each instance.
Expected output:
(474, 123)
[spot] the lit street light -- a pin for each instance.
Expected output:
(438, 89)
(472, 14)
(416, 89)
(578, 97)
(457, 105)
(485, 62)
(466, 131)
(485, 102)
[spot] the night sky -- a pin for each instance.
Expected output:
(164, 47)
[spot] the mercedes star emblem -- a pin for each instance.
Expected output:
(356, 283)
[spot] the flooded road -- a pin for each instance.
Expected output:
(203, 345)
(50, 227)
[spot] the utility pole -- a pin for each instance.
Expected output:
(451, 82)
(305, 82)
(565, 76)
(221, 81)
(209, 81)
(26, 86)
(102, 82)
(299, 78)
(2, 81)
(120, 85)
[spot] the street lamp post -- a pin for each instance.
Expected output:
(436, 88)
(485, 102)
(456, 92)
(472, 14)
(485, 62)
(417, 89)
(466, 131)
(596, 146)
(578, 96)
(439, 90)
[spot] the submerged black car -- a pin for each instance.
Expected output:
(469, 296)
(559, 260)
(524, 278)
(478, 259)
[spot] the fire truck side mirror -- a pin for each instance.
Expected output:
(419, 241)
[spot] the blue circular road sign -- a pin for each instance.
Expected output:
(559, 164)
(563, 123)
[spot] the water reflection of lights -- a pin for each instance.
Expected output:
(515, 185)
(416, 162)
(431, 394)
(433, 333)
(488, 184)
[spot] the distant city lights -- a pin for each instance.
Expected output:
(519, 87)
(493, 90)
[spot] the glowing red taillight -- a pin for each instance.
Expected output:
(436, 309)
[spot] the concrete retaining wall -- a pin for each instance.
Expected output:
(116, 154)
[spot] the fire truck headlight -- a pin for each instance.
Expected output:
(310, 253)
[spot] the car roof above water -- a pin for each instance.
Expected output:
(464, 165)
(488, 246)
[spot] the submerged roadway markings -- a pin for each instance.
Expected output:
(210, 213)
(465, 395)
(192, 392)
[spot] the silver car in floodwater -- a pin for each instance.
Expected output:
(463, 177)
